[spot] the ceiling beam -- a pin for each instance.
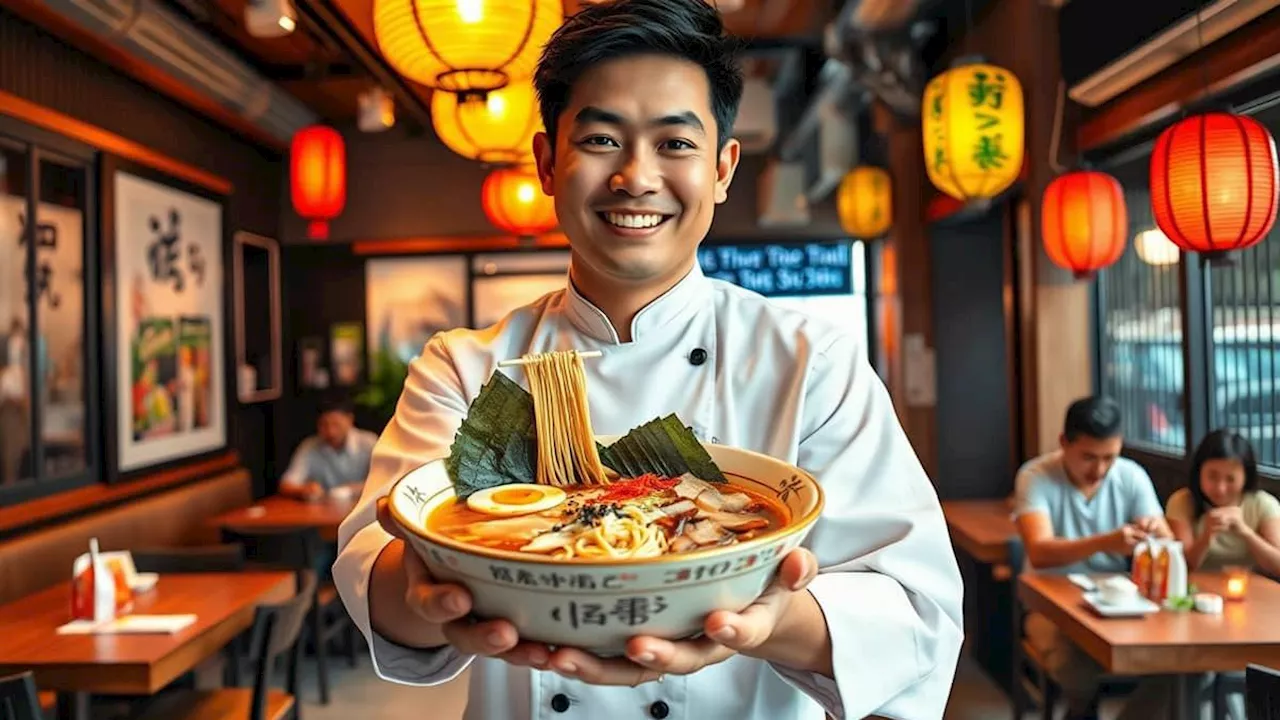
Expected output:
(329, 17)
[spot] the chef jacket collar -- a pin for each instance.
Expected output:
(683, 299)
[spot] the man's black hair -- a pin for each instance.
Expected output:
(600, 32)
(1096, 417)
(335, 403)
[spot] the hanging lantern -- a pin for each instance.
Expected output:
(318, 177)
(864, 202)
(513, 201)
(1155, 248)
(1084, 222)
(497, 129)
(1214, 183)
(973, 131)
(465, 46)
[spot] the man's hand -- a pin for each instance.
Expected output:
(444, 607)
(749, 632)
(1123, 540)
(1224, 519)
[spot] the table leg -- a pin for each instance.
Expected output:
(1186, 697)
(73, 706)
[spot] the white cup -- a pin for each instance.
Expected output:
(1117, 590)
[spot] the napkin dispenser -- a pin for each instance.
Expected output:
(100, 590)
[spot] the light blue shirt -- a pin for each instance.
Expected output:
(1125, 495)
(316, 461)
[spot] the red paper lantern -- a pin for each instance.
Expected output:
(318, 177)
(1214, 183)
(513, 201)
(1084, 221)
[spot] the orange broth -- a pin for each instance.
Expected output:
(452, 517)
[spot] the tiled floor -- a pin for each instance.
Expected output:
(359, 693)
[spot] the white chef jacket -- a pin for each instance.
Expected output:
(743, 372)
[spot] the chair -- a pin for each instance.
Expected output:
(1262, 693)
(300, 548)
(18, 698)
(1031, 687)
(227, 557)
(276, 631)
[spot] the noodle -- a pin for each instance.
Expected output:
(618, 537)
(567, 453)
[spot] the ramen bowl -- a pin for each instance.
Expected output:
(597, 605)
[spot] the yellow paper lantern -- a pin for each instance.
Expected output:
(974, 128)
(465, 46)
(497, 129)
(513, 201)
(864, 202)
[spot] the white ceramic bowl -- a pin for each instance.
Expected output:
(598, 605)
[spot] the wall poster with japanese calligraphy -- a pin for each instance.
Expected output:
(170, 398)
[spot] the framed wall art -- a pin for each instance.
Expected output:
(165, 319)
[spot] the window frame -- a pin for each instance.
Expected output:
(42, 144)
(1195, 305)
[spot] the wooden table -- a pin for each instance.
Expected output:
(1167, 642)
(283, 513)
(78, 665)
(981, 528)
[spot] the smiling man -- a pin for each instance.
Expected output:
(639, 98)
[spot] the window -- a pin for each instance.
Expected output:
(1140, 319)
(1234, 324)
(46, 419)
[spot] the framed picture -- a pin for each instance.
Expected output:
(409, 299)
(312, 373)
(165, 309)
(256, 268)
(346, 353)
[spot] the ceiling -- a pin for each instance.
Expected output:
(332, 55)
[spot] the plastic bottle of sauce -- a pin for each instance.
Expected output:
(1141, 575)
(1160, 576)
(1176, 579)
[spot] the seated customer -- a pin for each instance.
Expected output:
(1082, 509)
(337, 456)
(1222, 517)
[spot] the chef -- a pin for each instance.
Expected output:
(639, 97)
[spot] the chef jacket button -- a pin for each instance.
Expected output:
(560, 702)
(697, 357)
(659, 710)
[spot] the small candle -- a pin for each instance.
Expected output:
(1237, 583)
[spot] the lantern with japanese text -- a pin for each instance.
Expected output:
(973, 131)
(1214, 183)
(318, 177)
(1083, 221)
(864, 202)
(497, 129)
(465, 46)
(513, 201)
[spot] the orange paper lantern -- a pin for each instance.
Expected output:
(1214, 183)
(1084, 222)
(318, 177)
(513, 201)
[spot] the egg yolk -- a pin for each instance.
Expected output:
(517, 497)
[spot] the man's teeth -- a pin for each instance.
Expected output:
(632, 221)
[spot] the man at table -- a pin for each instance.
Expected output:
(1081, 509)
(337, 456)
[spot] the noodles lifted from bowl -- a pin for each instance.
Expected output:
(567, 452)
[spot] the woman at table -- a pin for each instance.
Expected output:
(1222, 517)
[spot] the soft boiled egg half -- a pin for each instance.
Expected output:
(515, 499)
